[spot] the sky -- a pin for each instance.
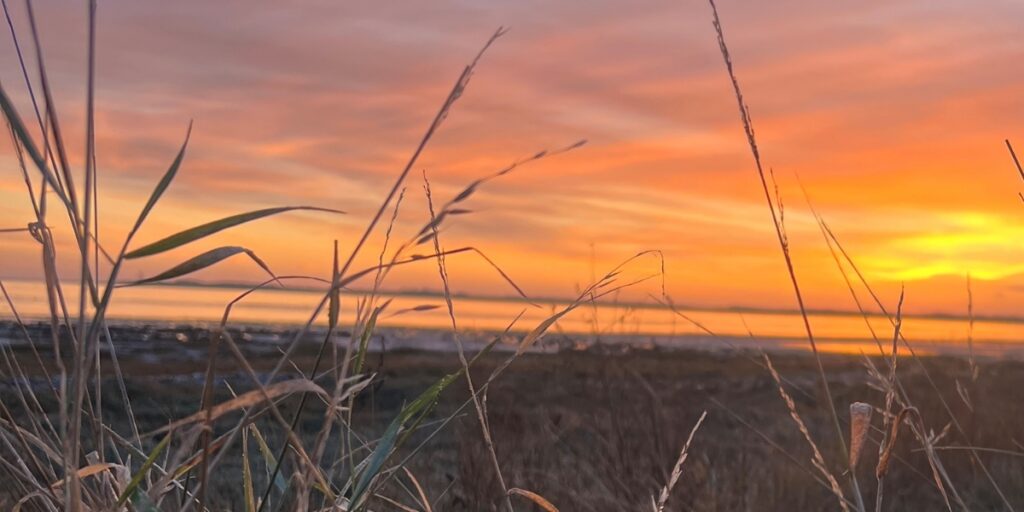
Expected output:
(892, 114)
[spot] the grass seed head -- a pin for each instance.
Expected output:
(860, 424)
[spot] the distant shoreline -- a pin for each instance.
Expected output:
(138, 335)
(547, 300)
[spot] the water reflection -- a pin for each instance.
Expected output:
(844, 333)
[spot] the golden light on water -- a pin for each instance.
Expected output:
(276, 308)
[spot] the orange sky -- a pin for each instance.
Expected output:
(892, 113)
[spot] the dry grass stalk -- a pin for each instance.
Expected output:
(248, 399)
(970, 333)
(885, 447)
(343, 277)
(919, 431)
(928, 441)
(783, 452)
(904, 400)
(892, 422)
(972, 363)
(424, 502)
(317, 476)
(880, 382)
(823, 228)
(677, 469)
(480, 410)
(885, 451)
(394, 503)
(777, 221)
(890, 394)
(939, 475)
(537, 499)
(817, 460)
(1016, 162)
(338, 279)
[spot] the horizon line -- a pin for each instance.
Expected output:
(552, 300)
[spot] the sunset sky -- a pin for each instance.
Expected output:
(892, 114)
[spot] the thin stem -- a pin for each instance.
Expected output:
(783, 244)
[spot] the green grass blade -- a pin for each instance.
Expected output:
(268, 457)
(197, 263)
(335, 307)
(389, 440)
(250, 501)
(262, 264)
(136, 480)
(30, 147)
(376, 460)
(165, 182)
(534, 335)
(364, 339)
(190, 235)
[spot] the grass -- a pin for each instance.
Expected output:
(307, 429)
(592, 431)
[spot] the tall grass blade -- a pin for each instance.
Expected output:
(33, 152)
(389, 440)
(87, 471)
(268, 457)
(531, 338)
(136, 480)
(250, 500)
(190, 235)
(1016, 162)
(777, 220)
(206, 259)
(162, 185)
(249, 399)
(376, 460)
(677, 470)
(537, 499)
(364, 338)
(818, 460)
(334, 309)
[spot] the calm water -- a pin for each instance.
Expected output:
(277, 307)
